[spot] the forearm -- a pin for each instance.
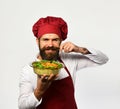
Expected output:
(28, 101)
(27, 98)
(37, 94)
(97, 56)
(70, 47)
(82, 50)
(94, 55)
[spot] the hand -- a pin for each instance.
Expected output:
(43, 83)
(68, 47)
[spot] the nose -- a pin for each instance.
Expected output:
(50, 43)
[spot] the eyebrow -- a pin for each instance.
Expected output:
(51, 39)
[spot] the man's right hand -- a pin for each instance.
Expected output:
(43, 83)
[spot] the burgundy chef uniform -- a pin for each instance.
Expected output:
(60, 95)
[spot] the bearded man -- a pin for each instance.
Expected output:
(55, 91)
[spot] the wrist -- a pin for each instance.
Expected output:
(84, 50)
(81, 50)
(38, 94)
(76, 49)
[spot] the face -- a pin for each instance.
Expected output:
(49, 45)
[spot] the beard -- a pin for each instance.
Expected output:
(50, 55)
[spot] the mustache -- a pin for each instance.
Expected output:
(51, 48)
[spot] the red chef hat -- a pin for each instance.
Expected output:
(50, 24)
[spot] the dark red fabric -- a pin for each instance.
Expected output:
(60, 95)
(50, 24)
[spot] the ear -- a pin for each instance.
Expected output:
(37, 41)
(61, 41)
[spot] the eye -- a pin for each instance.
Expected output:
(45, 39)
(56, 40)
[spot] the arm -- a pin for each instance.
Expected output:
(27, 99)
(29, 96)
(70, 47)
(96, 57)
(43, 83)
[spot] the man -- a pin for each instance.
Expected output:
(55, 91)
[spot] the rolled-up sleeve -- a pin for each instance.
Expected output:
(27, 99)
(97, 56)
(89, 60)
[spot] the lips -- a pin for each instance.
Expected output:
(50, 51)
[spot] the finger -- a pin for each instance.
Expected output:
(39, 76)
(67, 49)
(61, 47)
(70, 49)
(52, 77)
(44, 78)
(64, 45)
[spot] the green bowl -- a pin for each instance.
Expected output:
(46, 71)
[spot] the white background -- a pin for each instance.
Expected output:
(92, 23)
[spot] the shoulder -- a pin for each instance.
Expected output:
(27, 72)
